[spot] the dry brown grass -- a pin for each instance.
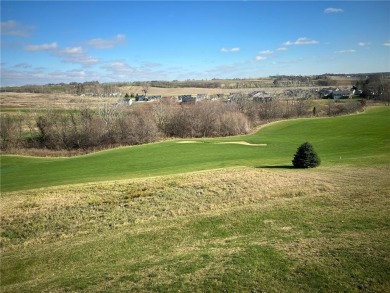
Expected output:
(126, 202)
(293, 230)
(50, 101)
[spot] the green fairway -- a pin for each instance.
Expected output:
(354, 139)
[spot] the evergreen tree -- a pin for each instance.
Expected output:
(306, 157)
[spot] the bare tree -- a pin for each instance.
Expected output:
(145, 89)
(300, 107)
(11, 131)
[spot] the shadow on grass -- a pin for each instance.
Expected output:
(277, 167)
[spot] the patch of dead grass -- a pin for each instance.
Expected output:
(86, 208)
(344, 219)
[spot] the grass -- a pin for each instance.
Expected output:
(355, 139)
(54, 100)
(235, 229)
(239, 229)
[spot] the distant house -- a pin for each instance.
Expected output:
(326, 93)
(187, 99)
(261, 97)
(341, 94)
(334, 93)
(200, 97)
(139, 98)
(153, 98)
(356, 91)
(234, 96)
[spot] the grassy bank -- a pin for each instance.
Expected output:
(235, 230)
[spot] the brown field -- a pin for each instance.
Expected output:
(226, 230)
(50, 101)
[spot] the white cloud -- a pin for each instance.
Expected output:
(70, 74)
(281, 49)
(266, 52)
(261, 58)
(42, 47)
(85, 60)
(15, 29)
(387, 44)
(107, 43)
(363, 44)
(119, 68)
(76, 55)
(301, 41)
(72, 51)
(333, 10)
(232, 50)
(346, 51)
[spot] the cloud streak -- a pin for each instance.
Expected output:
(301, 41)
(119, 68)
(232, 50)
(76, 55)
(261, 58)
(41, 76)
(72, 51)
(266, 52)
(333, 10)
(15, 29)
(346, 51)
(100, 43)
(42, 47)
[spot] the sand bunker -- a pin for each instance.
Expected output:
(243, 143)
(226, 142)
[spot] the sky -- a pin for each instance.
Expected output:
(121, 41)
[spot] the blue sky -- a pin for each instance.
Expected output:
(64, 41)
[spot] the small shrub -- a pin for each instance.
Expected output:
(306, 157)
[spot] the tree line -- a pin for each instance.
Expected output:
(114, 125)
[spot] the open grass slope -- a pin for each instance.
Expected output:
(362, 138)
(240, 229)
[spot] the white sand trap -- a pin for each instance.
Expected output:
(243, 143)
(225, 142)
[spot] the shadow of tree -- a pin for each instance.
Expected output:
(277, 167)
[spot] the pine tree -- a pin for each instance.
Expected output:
(306, 157)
